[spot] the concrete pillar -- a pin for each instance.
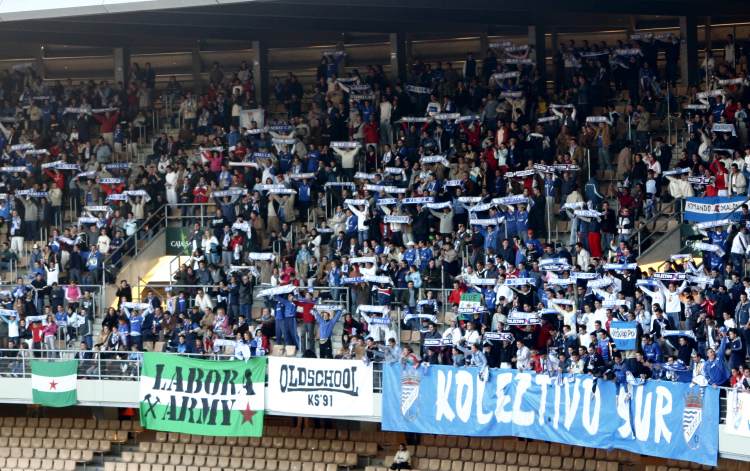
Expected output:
(261, 72)
(708, 34)
(539, 52)
(398, 56)
(121, 59)
(688, 50)
(554, 43)
(484, 44)
(341, 69)
(39, 61)
(197, 68)
(632, 26)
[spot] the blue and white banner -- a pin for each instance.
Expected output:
(658, 418)
(712, 208)
(624, 334)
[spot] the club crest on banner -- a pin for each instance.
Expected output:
(692, 416)
(410, 380)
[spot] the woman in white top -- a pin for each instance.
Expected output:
(523, 356)
(203, 301)
(103, 242)
(210, 246)
(171, 184)
(53, 272)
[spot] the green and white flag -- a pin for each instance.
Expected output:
(202, 397)
(53, 383)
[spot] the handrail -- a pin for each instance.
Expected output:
(650, 224)
(103, 366)
(130, 244)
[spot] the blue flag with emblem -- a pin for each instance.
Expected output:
(657, 418)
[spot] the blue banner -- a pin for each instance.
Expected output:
(713, 208)
(659, 418)
(624, 334)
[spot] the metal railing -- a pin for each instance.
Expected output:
(146, 230)
(189, 213)
(127, 366)
(111, 365)
(647, 233)
(327, 293)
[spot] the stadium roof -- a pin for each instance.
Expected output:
(124, 22)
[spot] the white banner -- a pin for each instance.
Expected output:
(738, 413)
(247, 116)
(315, 387)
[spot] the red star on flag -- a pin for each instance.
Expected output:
(53, 385)
(247, 414)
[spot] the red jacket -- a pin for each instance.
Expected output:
(304, 309)
(56, 177)
(200, 194)
(107, 124)
(371, 133)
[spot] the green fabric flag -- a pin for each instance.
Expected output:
(202, 397)
(53, 383)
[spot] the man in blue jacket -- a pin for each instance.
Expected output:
(325, 330)
(715, 368)
(286, 318)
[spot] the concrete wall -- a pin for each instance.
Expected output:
(668, 245)
(139, 265)
(124, 393)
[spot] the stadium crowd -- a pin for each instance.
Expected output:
(374, 199)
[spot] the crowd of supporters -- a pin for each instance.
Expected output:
(372, 192)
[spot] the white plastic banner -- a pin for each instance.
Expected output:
(738, 413)
(316, 387)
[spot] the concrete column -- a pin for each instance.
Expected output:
(197, 68)
(341, 70)
(484, 44)
(539, 52)
(39, 61)
(398, 56)
(708, 34)
(688, 50)
(632, 25)
(121, 59)
(261, 72)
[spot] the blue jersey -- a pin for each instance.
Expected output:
(522, 221)
(425, 255)
(511, 222)
(304, 192)
(136, 324)
(410, 256)
(351, 224)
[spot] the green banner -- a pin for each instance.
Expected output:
(202, 397)
(178, 241)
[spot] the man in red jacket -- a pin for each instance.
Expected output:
(107, 125)
(371, 132)
(307, 328)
